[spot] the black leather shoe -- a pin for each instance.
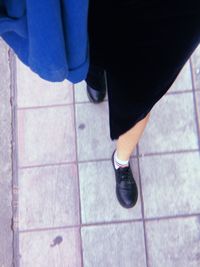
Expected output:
(126, 187)
(96, 84)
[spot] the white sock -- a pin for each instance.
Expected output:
(118, 162)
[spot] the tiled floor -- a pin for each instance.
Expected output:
(69, 215)
(6, 171)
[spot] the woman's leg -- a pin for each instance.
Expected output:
(128, 141)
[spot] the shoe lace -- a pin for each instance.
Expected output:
(125, 174)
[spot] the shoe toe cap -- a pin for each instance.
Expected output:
(127, 199)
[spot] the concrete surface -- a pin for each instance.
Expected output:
(69, 215)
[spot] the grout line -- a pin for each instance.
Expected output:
(88, 102)
(106, 159)
(169, 217)
(178, 91)
(196, 111)
(142, 210)
(137, 151)
(47, 165)
(149, 219)
(14, 147)
(78, 225)
(49, 228)
(169, 152)
(78, 179)
(64, 163)
(46, 106)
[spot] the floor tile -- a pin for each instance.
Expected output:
(32, 90)
(170, 184)
(81, 92)
(58, 248)
(48, 197)
(119, 245)
(92, 123)
(174, 242)
(183, 80)
(196, 67)
(171, 126)
(46, 135)
(99, 202)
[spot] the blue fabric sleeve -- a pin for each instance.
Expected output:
(49, 36)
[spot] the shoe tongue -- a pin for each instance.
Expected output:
(124, 168)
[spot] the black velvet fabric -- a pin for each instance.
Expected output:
(142, 45)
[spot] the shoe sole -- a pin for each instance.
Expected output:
(116, 191)
(92, 100)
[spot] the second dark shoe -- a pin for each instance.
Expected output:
(96, 84)
(126, 187)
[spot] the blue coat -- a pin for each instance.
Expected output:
(49, 36)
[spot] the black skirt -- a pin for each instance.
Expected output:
(142, 45)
